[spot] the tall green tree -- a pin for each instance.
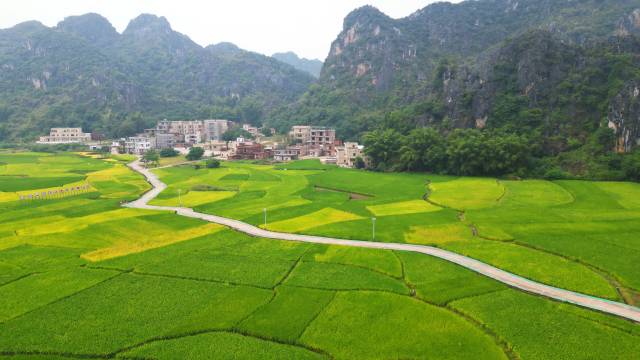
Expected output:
(492, 153)
(424, 150)
(151, 157)
(383, 148)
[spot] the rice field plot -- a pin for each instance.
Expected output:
(317, 218)
(288, 315)
(396, 327)
(440, 282)
(111, 233)
(221, 345)
(30, 173)
(294, 204)
(14, 183)
(194, 198)
(313, 320)
(48, 165)
(37, 289)
(440, 234)
(466, 193)
(544, 267)
(118, 182)
(342, 277)
(385, 262)
(595, 225)
(402, 208)
(523, 321)
(83, 277)
(304, 296)
(126, 310)
(626, 194)
(168, 161)
(462, 214)
(535, 193)
(222, 267)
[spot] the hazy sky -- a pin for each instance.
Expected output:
(306, 27)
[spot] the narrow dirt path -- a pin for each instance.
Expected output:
(512, 280)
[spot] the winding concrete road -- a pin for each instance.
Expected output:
(512, 280)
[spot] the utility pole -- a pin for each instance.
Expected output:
(179, 197)
(373, 228)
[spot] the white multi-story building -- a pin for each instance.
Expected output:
(347, 154)
(65, 136)
(288, 154)
(138, 145)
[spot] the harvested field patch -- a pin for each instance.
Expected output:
(318, 218)
(466, 193)
(402, 208)
(438, 234)
(194, 198)
(129, 246)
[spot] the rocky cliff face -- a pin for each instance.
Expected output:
(624, 117)
(557, 64)
(629, 24)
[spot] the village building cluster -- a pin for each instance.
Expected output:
(302, 142)
(65, 136)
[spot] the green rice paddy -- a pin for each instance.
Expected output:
(82, 277)
(570, 234)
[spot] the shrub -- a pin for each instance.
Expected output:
(213, 163)
(195, 153)
(556, 174)
(168, 152)
(151, 156)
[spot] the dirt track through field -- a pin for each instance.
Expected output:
(512, 280)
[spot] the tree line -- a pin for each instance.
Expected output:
(492, 152)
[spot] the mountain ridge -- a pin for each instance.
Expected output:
(311, 66)
(377, 62)
(82, 72)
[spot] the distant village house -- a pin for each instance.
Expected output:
(314, 141)
(347, 154)
(65, 136)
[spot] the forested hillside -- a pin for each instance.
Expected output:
(560, 77)
(84, 73)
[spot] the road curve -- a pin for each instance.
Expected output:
(512, 280)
